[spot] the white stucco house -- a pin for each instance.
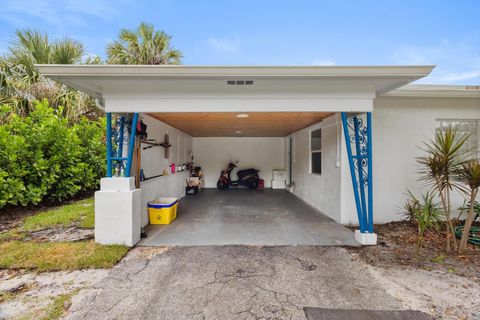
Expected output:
(316, 122)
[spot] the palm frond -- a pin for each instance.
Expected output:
(66, 51)
(144, 45)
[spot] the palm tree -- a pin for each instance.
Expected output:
(21, 84)
(144, 45)
(469, 174)
(32, 47)
(438, 169)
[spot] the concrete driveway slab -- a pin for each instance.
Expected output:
(248, 217)
(335, 314)
(232, 282)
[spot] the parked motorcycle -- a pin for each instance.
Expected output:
(246, 177)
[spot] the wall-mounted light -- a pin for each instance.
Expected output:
(242, 115)
(238, 132)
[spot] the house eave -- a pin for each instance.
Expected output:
(153, 88)
(186, 71)
(436, 91)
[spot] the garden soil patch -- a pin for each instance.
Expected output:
(61, 234)
(11, 217)
(397, 247)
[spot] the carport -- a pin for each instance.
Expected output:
(199, 106)
(246, 217)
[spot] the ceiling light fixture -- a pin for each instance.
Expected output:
(238, 132)
(242, 115)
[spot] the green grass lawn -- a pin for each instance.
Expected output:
(58, 307)
(53, 256)
(81, 212)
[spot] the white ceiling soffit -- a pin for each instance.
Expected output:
(208, 88)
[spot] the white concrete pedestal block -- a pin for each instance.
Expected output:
(117, 212)
(366, 239)
(117, 184)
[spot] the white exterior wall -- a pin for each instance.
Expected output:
(154, 162)
(400, 125)
(214, 153)
(153, 159)
(321, 191)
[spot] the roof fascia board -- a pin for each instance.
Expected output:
(134, 71)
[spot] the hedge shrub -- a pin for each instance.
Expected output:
(44, 157)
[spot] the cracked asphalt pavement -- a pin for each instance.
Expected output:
(231, 282)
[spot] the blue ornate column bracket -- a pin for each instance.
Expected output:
(370, 172)
(108, 139)
(115, 141)
(131, 146)
(357, 129)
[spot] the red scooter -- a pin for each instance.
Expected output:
(246, 177)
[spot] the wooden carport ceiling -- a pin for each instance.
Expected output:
(227, 124)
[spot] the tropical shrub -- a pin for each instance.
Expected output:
(469, 174)
(410, 208)
(44, 157)
(463, 210)
(424, 212)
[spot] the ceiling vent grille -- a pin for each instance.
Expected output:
(240, 82)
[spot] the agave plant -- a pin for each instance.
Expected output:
(469, 174)
(144, 45)
(438, 167)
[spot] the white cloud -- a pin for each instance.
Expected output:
(231, 44)
(457, 61)
(60, 14)
(14, 11)
(323, 62)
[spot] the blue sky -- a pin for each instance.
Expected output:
(247, 32)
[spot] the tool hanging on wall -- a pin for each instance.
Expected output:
(142, 130)
(141, 134)
(138, 161)
(152, 143)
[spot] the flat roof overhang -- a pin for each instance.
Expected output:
(166, 88)
(436, 91)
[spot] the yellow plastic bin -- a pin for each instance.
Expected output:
(162, 210)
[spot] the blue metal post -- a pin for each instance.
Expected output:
(361, 177)
(109, 144)
(370, 172)
(120, 138)
(352, 171)
(133, 134)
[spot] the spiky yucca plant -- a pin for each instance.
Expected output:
(438, 168)
(469, 174)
